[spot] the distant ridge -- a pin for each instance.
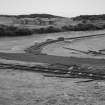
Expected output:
(38, 15)
(79, 18)
(33, 16)
(19, 25)
(90, 17)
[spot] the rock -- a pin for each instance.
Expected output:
(101, 83)
(90, 74)
(69, 72)
(79, 73)
(81, 98)
(70, 68)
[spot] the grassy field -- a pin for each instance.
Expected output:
(52, 59)
(19, 87)
(18, 44)
(28, 88)
(77, 47)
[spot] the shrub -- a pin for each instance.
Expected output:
(14, 31)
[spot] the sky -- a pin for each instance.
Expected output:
(67, 8)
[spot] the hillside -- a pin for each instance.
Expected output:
(90, 17)
(46, 23)
(34, 20)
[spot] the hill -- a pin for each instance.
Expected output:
(90, 17)
(46, 23)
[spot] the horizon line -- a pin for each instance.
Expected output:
(17, 14)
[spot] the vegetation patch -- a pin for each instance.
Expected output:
(46, 23)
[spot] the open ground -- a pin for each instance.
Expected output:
(18, 87)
